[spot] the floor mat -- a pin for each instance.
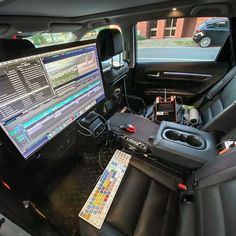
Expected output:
(65, 199)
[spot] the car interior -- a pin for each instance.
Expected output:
(118, 118)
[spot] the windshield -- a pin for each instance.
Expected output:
(48, 39)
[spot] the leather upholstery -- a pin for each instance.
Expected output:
(180, 153)
(148, 203)
(215, 196)
(217, 113)
(110, 44)
(145, 204)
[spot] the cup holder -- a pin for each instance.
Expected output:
(194, 141)
(184, 138)
(172, 135)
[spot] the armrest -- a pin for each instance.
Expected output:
(183, 145)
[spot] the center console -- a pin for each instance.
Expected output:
(172, 143)
(183, 145)
(140, 140)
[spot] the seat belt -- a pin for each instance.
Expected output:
(218, 87)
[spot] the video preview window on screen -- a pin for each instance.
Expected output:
(42, 94)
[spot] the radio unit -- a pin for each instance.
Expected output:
(133, 144)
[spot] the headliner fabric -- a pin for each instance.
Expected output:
(67, 8)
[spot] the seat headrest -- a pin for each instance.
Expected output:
(109, 43)
(11, 45)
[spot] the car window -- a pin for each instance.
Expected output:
(48, 39)
(211, 25)
(92, 34)
(223, 24)
(180, 39)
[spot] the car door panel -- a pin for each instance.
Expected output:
(185, 79)
(169, 75)
(218, 36)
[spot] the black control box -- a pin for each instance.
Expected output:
(133, 144)
(93, 129)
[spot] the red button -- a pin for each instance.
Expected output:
(182, 187)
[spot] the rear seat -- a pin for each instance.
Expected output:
(218, 113)
(148, 202)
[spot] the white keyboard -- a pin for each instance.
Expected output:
(97, 205)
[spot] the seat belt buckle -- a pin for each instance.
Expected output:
(226, 146)
(182, 187)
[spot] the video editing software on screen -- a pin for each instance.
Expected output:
(41, 95)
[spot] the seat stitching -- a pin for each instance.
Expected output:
(143, 206)
(167, 204)
(222, 209)
(211, 114)
(222, 104)
(201, 215)
(118, 230)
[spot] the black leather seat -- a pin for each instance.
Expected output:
(110, 44)
(217, 112)
(148, 202)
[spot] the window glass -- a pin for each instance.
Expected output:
(223, 24)
(181, 39)
(48, 39)
(153, 28)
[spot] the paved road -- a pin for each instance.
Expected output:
(177, 54)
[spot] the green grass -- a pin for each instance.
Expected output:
(169, 42)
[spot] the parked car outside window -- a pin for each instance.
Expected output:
(181, 39)
(212, 32)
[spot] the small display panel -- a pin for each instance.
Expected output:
(40, 95)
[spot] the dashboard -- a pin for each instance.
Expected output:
(42, 94)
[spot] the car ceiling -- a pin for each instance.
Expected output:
(76, 8)
(68, 8)
(38, 16)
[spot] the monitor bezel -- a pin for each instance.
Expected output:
(8, 144)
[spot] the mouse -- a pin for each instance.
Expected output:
(129, 128)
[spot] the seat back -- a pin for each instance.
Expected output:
(217, 114)
(215, 197)
(13, 45)
(110, 44)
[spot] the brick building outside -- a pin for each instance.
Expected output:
(172, 27)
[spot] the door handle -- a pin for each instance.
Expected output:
(154, 76)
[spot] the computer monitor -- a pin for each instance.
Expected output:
(40, 95)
